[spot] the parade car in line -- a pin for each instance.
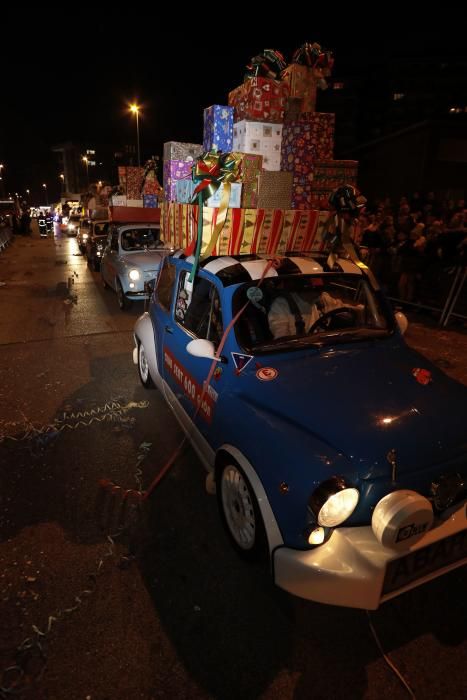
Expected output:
(73, 224)
(334, 449)
(131, 260)
(95, 243)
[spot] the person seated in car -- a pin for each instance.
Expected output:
(294, 313)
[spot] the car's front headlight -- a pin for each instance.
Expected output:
(71, 226)
(134, 275)
(333, 502)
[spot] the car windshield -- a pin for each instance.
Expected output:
(140, 238)
(308, 310)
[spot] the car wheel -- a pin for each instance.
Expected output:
(96, 265)
(143, 368)
(240, 512)
(123, 302)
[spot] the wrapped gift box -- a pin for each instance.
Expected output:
(177, 150)
(218, 128)
(149, 201)
(251, 168)
(259, 137)
(185, 188)
(118, 200)
(275, 190)
(302, 84)
(134, 180)
(307, 140)
(259, 99)
(264, 231)
(334, 173)
(175, 170)
(235, 196)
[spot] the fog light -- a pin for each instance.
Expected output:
(316, 536)
(132, 285)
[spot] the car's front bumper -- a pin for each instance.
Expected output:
(135, 295)
(352, 569)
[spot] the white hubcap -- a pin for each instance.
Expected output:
(238, 507)
(143, 364)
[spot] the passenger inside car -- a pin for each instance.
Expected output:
(139, 239)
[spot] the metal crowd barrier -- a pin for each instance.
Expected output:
(440, 289)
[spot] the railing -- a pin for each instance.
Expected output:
(438, 287)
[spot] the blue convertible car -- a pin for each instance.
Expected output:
(334, 448)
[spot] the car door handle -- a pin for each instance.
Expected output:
(169, 329)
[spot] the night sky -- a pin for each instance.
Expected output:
(77, 74)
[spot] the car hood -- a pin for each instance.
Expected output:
(365, 401)
(146, 260)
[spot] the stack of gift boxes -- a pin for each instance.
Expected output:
(136, 190)
(286, 147)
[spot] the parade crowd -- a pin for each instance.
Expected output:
(413, 246)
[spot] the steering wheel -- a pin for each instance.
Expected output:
(325, 320)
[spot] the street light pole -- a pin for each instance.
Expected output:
(135, 110)
(86, 162)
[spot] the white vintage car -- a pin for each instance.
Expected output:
(131, 260)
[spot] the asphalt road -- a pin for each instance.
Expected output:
(164, 608)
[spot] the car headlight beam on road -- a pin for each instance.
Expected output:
(333, 502)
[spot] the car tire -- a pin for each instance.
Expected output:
(240, 512)
(143, 368)
(96, 265)
(123, 302)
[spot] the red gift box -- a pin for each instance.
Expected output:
(260, 99)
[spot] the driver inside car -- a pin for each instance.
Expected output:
(294, 313)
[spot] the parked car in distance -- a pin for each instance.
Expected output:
(131, 259)
(96, 242)
(336, 451)
(72, 225)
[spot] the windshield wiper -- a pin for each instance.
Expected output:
(343, 336)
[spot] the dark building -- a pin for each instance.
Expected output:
(82, 165)
(405, 120)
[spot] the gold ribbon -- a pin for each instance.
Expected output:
(211, 171)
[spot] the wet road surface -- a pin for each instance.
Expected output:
(164, 609)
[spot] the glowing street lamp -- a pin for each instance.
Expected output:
(134, 109)
(62, 179)
(86, 162)
(46, 194)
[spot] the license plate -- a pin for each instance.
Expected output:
(401, 572)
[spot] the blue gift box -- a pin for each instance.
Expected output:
(184, 191)
(150, 201)
(218, 128)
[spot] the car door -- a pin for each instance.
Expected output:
(111, 259)
(195, 313)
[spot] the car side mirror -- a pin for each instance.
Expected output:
(402, 321)
(200, 347)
